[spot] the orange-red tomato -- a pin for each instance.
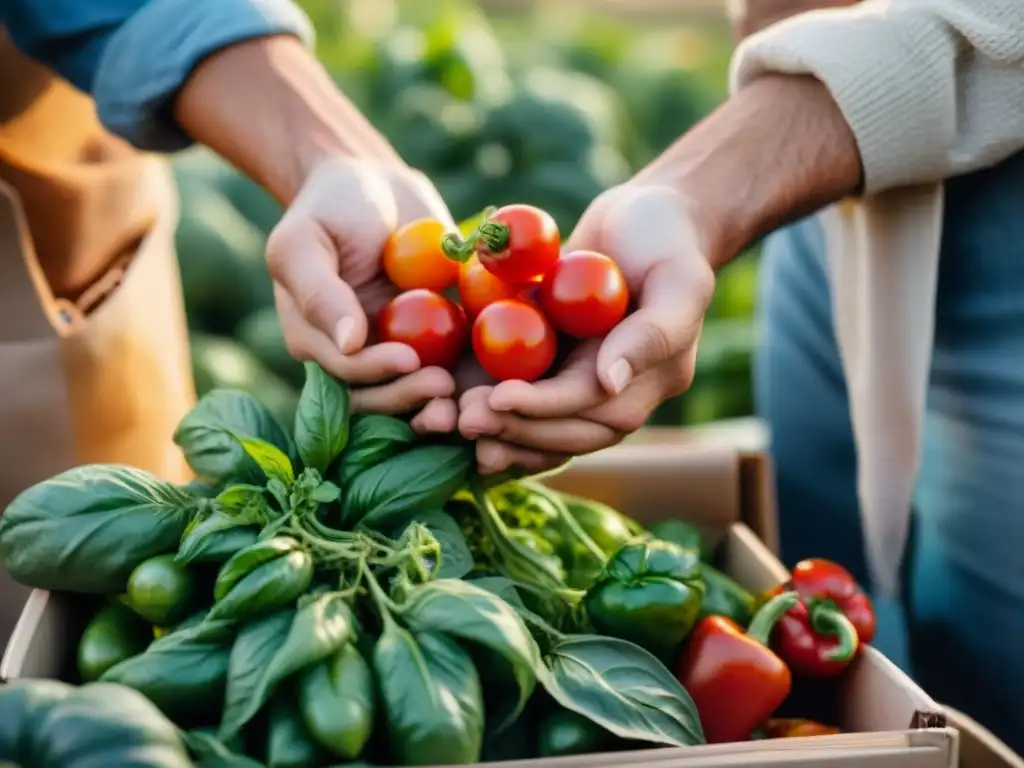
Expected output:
(584, 294)
(478, 287)
(413, 257)
(430, 323)
(519, 243)
(513, 340)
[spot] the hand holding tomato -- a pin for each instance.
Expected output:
(608, 388)
(325, 257)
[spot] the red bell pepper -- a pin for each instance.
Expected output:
(793, 727)
(823, 632)
(736, 681)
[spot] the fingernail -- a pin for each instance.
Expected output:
(619, 375)
(343, 332)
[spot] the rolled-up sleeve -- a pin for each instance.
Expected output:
(930, 88)
(133, 56)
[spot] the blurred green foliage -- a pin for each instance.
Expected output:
(548, 107)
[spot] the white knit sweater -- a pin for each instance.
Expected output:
(931, 89)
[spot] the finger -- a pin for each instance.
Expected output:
(376, 363)
(404, 394)
(418, 198)
(630, 410)
(574, 388)
(674, 295)
(301, 258)
(476, 419)
(568, 436)
(493, 457)
(438, 416)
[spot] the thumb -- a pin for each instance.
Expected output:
(674, 295)
(302, 259)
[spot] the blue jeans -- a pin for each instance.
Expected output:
(964, 574)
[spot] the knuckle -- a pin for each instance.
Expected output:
(315, 305)
(278, 248)
(657, 343)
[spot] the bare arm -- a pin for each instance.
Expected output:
(269, 107)
(777, 150)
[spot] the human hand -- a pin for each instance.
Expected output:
(750, 16)
(325, 259)
(608, 388)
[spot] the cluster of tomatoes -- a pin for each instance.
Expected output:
(514, 286)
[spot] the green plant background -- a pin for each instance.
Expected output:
(548, 106)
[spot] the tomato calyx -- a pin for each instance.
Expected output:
(462, 249)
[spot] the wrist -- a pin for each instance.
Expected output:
(776, 151)
(269, 107)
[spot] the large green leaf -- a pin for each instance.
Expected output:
(86, 529)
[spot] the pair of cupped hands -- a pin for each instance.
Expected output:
(325, 259)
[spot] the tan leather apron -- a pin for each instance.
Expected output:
(97, 370)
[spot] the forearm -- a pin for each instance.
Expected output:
(774, 152)
(269, 107)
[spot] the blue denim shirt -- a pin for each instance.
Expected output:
(134, 55)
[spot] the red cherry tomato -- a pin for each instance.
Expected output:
(584, 294)
(430, 323)
(519, 243)
(513, 340)
(413, 257)
(478, 287)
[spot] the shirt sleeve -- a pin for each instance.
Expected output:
(133, 56)
(930, 88)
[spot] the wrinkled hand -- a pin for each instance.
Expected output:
(608, 388)
(750, 16)
(325, 259)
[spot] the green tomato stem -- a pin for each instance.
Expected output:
(384, 604)
(494, 235)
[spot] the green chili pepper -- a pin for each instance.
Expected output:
(650, 594)
(338, 702)
(262, 578)
(606, 526)
(724, 597)
(289, 743)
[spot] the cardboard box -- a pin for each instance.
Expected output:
(893, 723)
(979, 747)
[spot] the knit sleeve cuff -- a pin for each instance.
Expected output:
(890, 71)
(150, 57)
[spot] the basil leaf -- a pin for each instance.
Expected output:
(86, 529)
(456, 559)
(373, 437)
(467, 612)
(243, 496)
(622, 688)
(274, 462)
(219, 536)
(432, 698)
(502, 587)
(321, 420)
(211, 753)
(325, 493)
(387, 495)
(272, 648)
(183, 673)
(205, 435)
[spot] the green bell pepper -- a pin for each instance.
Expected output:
(684, 535)
(724, 597)
(650, 594)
